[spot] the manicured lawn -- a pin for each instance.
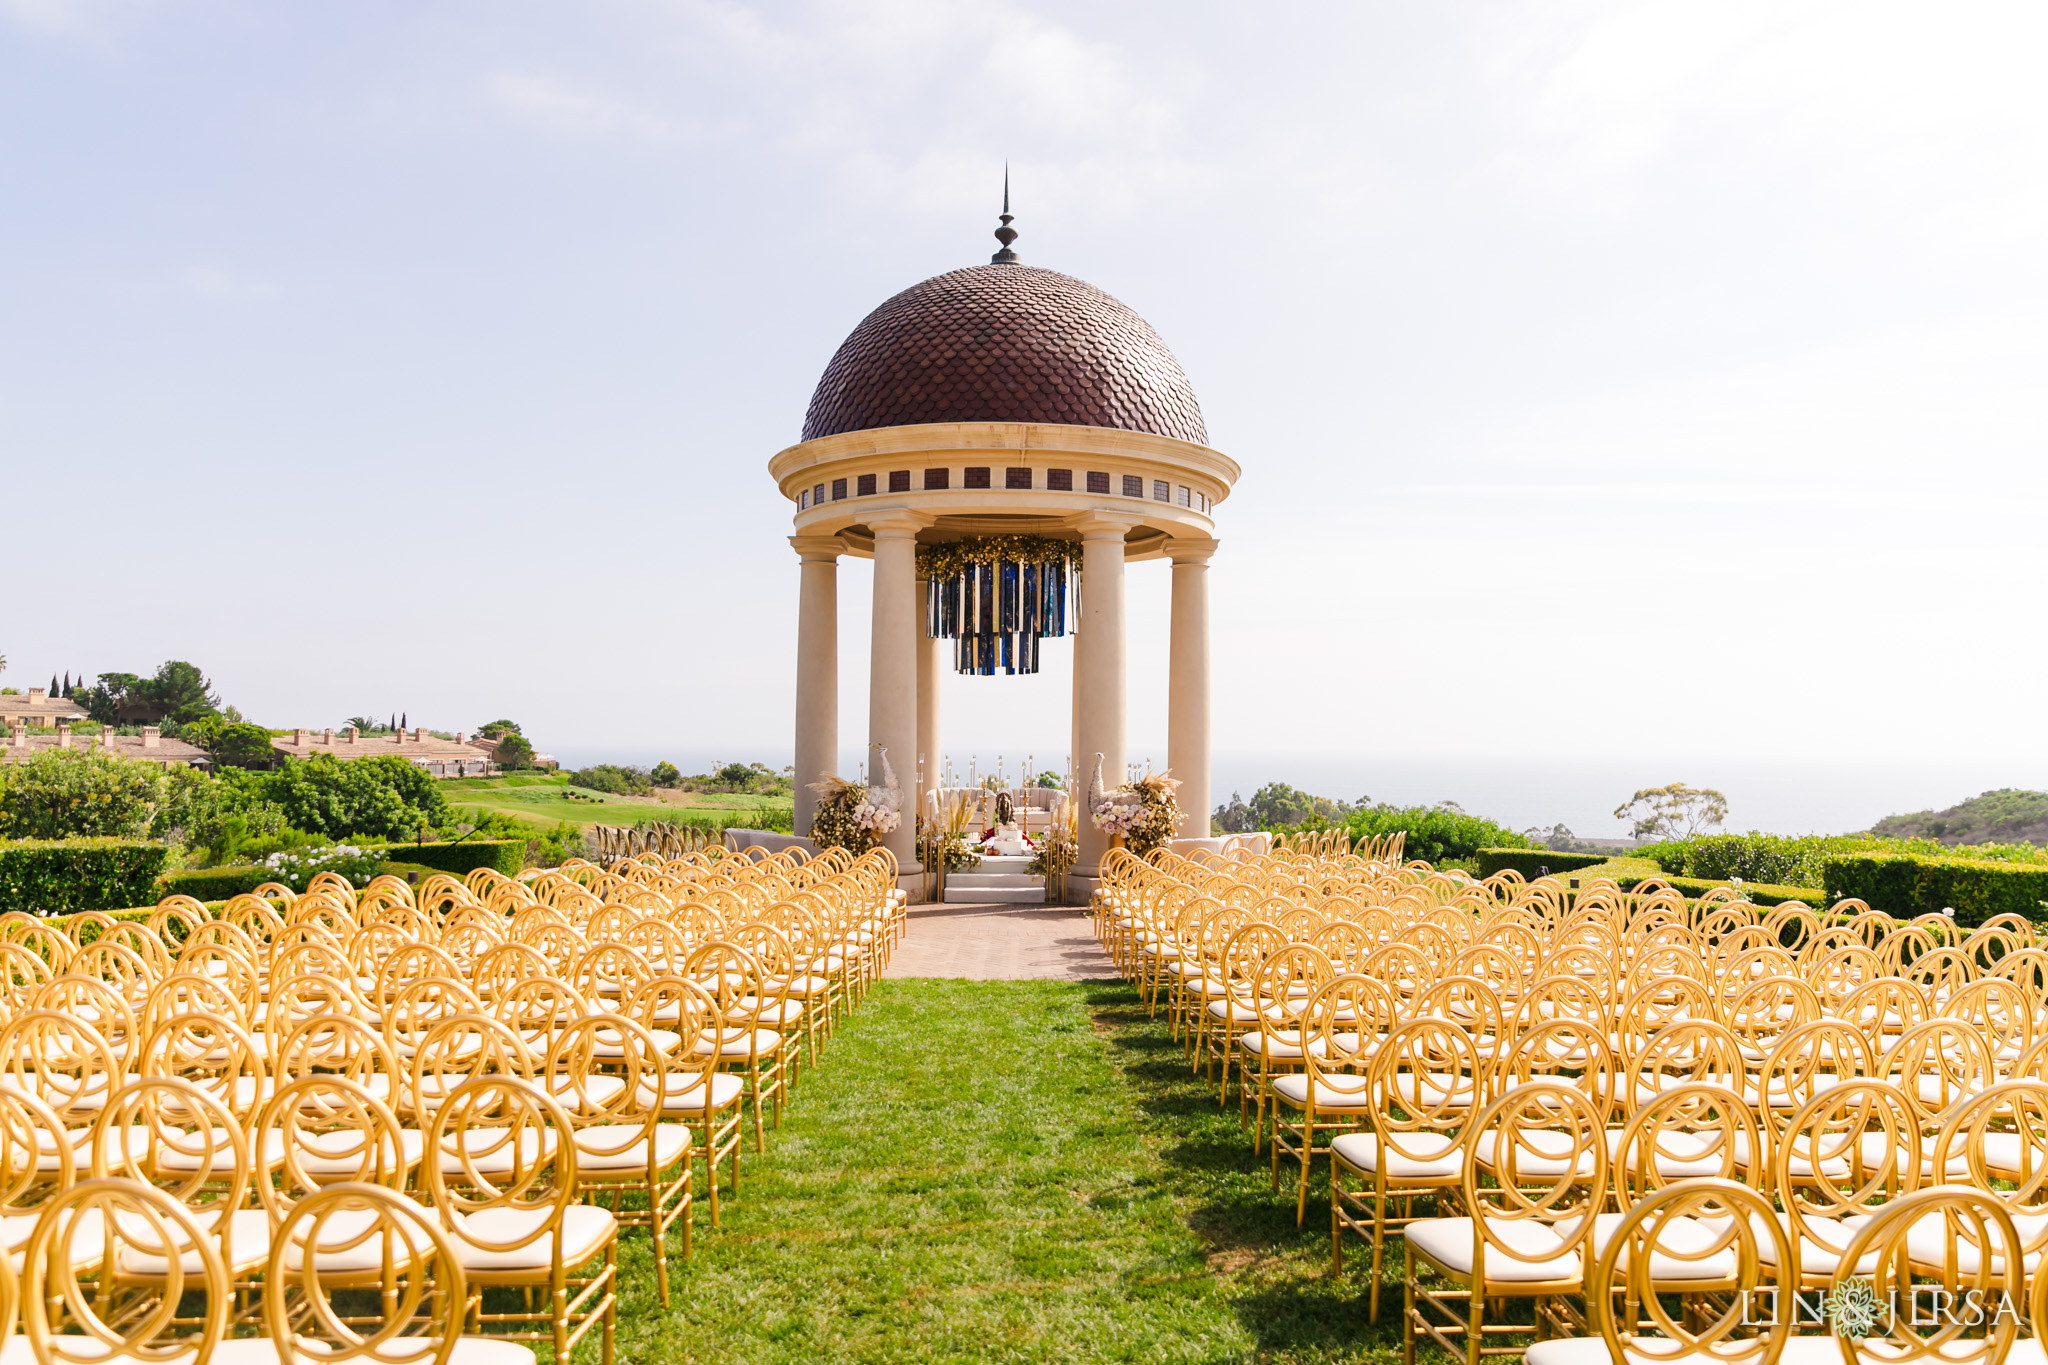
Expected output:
(1004, 1171)
(545, 800)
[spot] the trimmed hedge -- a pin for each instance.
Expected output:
(215, 883)
(1528, 861)
(501, 855)
(1906, 886)
(66, 876)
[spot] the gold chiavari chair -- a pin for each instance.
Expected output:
(333, 1245)
(214, 1053)
(38, 1159)
(1344, 1024)
(322, 1131)
(62, 1061)
(169, 1133)
(92, 1001)
(418, 1006)
(695, 1090)
(1524, 1235)
(1761, 1012)
(1938, 1062)
(1230, 1000)
(1996, 1142)
(506, 1191)
(1287, 981)
(1425, 1081)
(1689, 1233)
(1842, 1156)
(457, 1049)
(757, 1053)
(74, 1313)
(609, 1073)
(1965, 1316)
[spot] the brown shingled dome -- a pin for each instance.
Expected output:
(1005, 343)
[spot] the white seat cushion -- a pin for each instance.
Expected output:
(686, 1094)
(617, 1147)
(248, 1234)
(1686, 1239)
(468, 1351)
(1538, 1254)
(585, 1231)
(1416, 1156)
(1294, 1089)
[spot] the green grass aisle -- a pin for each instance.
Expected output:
(1002, 1171)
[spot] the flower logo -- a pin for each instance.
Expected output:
(1854, 1309)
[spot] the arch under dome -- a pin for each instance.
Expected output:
(1005, 343)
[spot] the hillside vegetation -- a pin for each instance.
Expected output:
(2005, 816)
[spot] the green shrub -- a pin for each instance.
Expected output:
(215, 883)
(502, 855)
(200, 811)
(377, 798)
(298, 869)
(1435, 833)
(1532, 862)
(79, 793)
(613, 780)
(1904, 885)
(66, 876)
(1800, 860)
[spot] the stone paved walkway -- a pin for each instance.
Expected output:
(1001, 943)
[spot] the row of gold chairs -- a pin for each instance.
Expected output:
(509, 1055)
(1616, 1052)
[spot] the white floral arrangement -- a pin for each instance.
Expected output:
(295, 868)
(876, 817)
(853, 815)
(1143, 813)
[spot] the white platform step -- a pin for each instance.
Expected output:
(998, 881)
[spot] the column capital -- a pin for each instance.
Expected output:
(1189, 550)
(1102, 525)
(897, 523)
(818, 549)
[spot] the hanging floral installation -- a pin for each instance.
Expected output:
(996, 597)
(1144, 814)
(853, 815)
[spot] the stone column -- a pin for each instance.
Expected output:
(1187, 688)
(1102, 668)
(930, 669)
(892, 664)
(817, 668)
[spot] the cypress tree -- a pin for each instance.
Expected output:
(55, 691)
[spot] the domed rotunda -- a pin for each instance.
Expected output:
(995, 438)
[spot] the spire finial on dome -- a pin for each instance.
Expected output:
(1006, 234)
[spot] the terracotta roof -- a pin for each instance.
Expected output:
(1005, 343)
(127, 746)
(373, 746)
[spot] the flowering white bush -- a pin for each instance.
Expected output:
(295, 868)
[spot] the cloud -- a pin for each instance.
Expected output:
(561, 108)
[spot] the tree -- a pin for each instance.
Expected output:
(53, 686)
(498, 729)
(666, 774)
(363, 723)
(181, 693)
(404, 721)
(1051, 779)
(105, 703)
(1673, 812)
(231, 744)
(514, 753)
(72, 793)
(382, 797)
(67, 683)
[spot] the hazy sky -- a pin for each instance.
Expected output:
(1640, 392)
